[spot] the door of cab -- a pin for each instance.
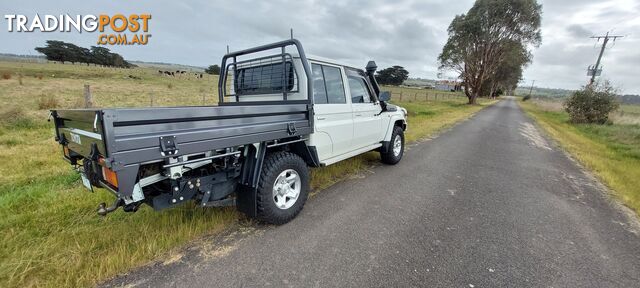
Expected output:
(367, 122)
(333, 114)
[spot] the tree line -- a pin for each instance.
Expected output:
(489, 45)
(69, 52)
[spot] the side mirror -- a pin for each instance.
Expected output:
(384, 96)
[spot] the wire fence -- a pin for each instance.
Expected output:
(410, 94)
(205, 98)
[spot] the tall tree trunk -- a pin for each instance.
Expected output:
(475, 91)
(466, 91)
(493, 88)
(472, 98)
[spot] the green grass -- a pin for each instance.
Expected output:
(612, 152)
(51, 234)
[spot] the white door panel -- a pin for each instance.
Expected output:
(332, 112)
(335, 120)
(367, 124)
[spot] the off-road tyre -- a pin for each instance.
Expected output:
(393, 156)
(274, 165)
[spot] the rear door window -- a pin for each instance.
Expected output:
(319, 90)
(328, 86)
(335, 87)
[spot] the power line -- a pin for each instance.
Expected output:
(593, 71)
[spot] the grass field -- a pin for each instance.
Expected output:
(612, 152)
(51, 235)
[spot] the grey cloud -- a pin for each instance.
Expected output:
(578, 31)
(404, 32)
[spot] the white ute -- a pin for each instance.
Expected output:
(277, 115)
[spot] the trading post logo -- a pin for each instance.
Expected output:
(116, 29)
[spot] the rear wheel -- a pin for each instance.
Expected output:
(396, 147)
(283, 188)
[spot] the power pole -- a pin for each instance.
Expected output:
(531, 88)
(594, 71)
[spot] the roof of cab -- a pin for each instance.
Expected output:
(315, 58)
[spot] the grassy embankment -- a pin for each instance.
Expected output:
(612, 151)
(51, 235)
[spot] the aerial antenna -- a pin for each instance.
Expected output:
(291, 33)
(227, 49)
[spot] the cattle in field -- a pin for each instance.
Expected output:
(196, 75)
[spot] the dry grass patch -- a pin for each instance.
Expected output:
(46, 102)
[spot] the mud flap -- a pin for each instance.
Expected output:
(385, 146)
(249, 177)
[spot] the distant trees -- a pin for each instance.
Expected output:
(68, 52)
(213, 69)
(487, 38)
(394, 75)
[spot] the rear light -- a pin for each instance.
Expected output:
(108, 175)
(65, 149)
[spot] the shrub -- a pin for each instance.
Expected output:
(526, 97)
(6, 75)
(170, 85)
(592, 103)
(47, 102)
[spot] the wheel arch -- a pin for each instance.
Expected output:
(401, 123)
(308, 153)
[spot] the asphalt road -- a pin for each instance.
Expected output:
(489, 203)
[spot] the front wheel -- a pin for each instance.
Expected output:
(283, 188)
(396, 147)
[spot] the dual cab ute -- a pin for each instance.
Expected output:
(279, 112)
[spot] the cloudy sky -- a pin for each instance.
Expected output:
(402, 32)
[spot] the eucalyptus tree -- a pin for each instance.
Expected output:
(480, 40)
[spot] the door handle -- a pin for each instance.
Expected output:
(358, 115)
(321, 118)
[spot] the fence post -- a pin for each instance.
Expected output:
(415, 96)
(151, 98)
(400, 95)
(88, 100)
(203, 98)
